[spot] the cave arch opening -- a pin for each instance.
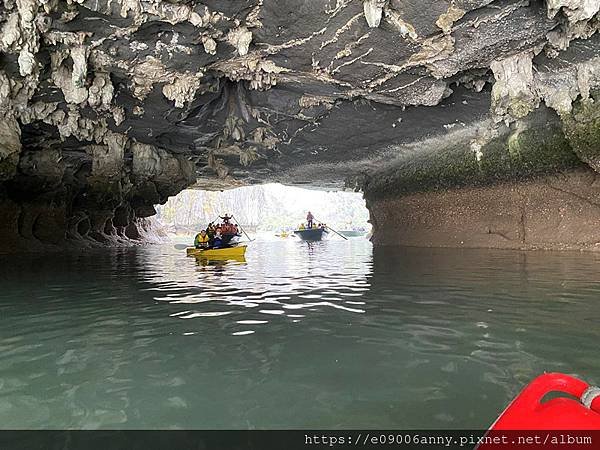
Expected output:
(264, 209)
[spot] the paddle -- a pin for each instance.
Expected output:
(327, 226)
(181, 246)
(243, 231)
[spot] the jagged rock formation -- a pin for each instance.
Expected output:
(107, 107)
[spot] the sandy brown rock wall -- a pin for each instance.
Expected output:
(559, 211)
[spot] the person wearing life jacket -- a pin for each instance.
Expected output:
(309, 220)
(201, 240)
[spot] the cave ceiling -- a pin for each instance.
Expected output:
(317, 92)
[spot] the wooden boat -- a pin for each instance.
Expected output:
(310, 234)
(221, 253)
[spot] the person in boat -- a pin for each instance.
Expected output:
(301, 227)
(210, 231)
(217, 241)
(201, 240)
(226, 226)
(309, 220)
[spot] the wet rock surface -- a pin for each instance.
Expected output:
(553, 212)
(109, 107)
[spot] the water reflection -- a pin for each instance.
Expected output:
(201, 261)
(328, 335)
(287, 279)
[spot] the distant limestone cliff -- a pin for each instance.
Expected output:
(270, 207)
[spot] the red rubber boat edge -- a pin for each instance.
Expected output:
(578, 407)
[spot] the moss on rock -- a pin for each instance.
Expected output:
(582, 128)
(521, 154)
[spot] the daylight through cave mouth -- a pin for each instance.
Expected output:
(263, 209)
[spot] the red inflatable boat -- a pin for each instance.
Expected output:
(578, 407)
(554, 411)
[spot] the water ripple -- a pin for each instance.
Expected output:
(351, 337)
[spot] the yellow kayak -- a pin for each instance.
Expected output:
(218, 260)
(228, 252)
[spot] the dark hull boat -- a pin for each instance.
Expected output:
(312, 234)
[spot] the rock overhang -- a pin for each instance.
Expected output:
(128, 102)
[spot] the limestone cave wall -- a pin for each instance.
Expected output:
(108, 107)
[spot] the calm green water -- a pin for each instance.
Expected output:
(331, 335)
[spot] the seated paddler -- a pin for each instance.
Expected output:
(201, 240)
(217, 241)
